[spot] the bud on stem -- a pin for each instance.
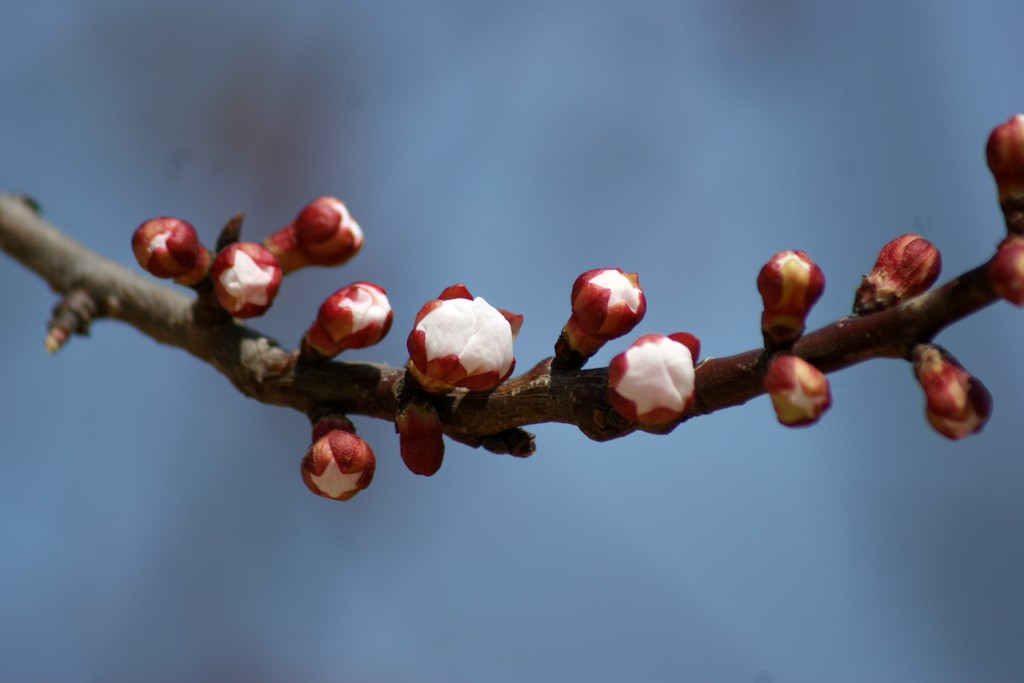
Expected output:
(906, 267)
(957, 404)
(653, 383)
(606, 303)
(420, 434)
(246, 277)
(1006, 270)
(1005, 155)
(338, 465)
(790, 283)
(354, 317)
(799, 391)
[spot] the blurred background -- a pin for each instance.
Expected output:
(153, 524)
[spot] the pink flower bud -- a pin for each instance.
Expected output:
(326, 233)
(606, 303)
(906, 267)
(166, 247)
(462, 342)
(789, 284)
(652, 383)
(1005, 153)
(799, 391)
(245, 277)
(957, 404)
(284, 244)
(420, 435)
(353, 317)
(1006, 271)
(339, 465)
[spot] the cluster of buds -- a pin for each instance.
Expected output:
(790, 283)
(906, 267)
(606, 304)
(246, 277)
(322, 234)
(354, 317)
(461, 342)
(169, 247)
(798, 390)
(653, 382)
(956, 403)
(339, 464)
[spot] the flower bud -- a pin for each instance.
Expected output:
(906, 267)
(1005, 153)
(166, 247)
(420, 435)
(284, 244)
(354, 317)
(1006, 270)
(957, 404)
(653, 382)
(245, 277)
(326, 232)
(789, 284)
(799, 391)
(606, 303)
(460, 342)
(339, 465)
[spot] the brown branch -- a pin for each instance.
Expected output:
(263, 370)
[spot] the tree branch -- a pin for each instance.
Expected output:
(263, 370)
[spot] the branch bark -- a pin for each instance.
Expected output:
(261, 369)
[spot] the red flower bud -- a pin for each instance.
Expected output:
(420, 435)
(789, 284)
(799, 391)
(1005, 153)
(245, 277)
(339, 465)
(354, 317)
(166, 247)
(653, 382)
(906, 267)
(1006, 270)
(957, 404)
(458, 342)
(606, 304)
(326, 233)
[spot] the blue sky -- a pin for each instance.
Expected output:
(153, 520)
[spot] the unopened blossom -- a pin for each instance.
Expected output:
(606, 303)
(420, 435)
(1006, 270)
(327, 233)
(339, 465)
(906, 267)
(246, 277)
(789, 284)
(957, 404)
(1005, 155)
(798, 390)
(354, 317)
(652, 383)
(168, 247)
(462, 342)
